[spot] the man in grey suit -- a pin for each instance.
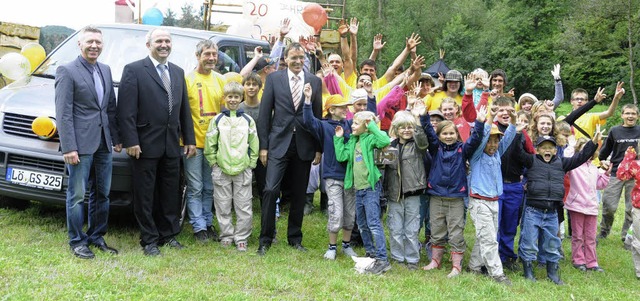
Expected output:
(86, 115)
(286, 147)
(153, 114)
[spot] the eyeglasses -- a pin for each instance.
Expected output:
(580, 99)
(406, 128)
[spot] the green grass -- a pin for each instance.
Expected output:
(36, 264)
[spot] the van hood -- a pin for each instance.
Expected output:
(31, 96)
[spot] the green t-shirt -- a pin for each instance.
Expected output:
(360, 171)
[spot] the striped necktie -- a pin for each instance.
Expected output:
(167, 84)
(296, 91)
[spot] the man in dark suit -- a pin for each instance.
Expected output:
(86, 114)
(286, 147)
(153, 114)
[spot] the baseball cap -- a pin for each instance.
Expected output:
(436, 113)
(358, 94)
(496, 131)
(335, 100)
(545, 138)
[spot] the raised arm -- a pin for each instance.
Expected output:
(412, 41)
(559, 92)
(377, 46)
(347, 61)
(468, 109)
(353, 30)
(257, 54)
(614, 103)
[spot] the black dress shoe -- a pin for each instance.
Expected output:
(299, 247)
(262, 250)
(151, 250)
(173, 243)
(83, 252)
(104, 248)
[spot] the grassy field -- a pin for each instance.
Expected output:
(36, 264)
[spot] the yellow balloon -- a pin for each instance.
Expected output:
(233, 77)
(44, 127)
(35, 53)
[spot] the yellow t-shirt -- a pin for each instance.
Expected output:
(433, 102)
(588, 123)
(378, 86)
(206, 98)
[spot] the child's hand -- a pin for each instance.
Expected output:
(549, 104)
(485, 82)
(339, 131)
(367, 85)
(513, 117)
(418, 108)
(469, 83)
(520, 126)
(600, 96)
(619, 90)
(481, 114)
(598, 134)
(416, 87)
(307, 93)
(556, 72)
(511, 92)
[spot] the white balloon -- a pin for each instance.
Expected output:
(14, 66)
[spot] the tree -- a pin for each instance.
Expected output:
(189, 19)
(169, 18)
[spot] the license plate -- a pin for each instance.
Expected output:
(34, 179)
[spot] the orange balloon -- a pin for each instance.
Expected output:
(315, 16)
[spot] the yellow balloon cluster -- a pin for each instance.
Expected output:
(44, 127)
(35, 53)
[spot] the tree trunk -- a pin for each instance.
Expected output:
(631, 69)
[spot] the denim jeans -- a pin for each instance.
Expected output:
(424, 215)
(199, 191)
(98, 206)
(369, 222)
(535, 222)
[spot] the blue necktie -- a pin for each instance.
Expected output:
(97, 81)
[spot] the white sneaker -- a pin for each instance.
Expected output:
(349, 252)
(330, 254)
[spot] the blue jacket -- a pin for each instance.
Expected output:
(448, 175)
(323, 131)
(486, 176)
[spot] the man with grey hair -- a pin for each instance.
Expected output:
(206, 97)
(86, 113)
(153, 114)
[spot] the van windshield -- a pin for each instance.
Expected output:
(120, 47)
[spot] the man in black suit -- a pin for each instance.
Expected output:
(286, 147)
(153, 115)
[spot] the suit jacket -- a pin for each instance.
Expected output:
(81, 119)
(143, 110)
(275, 132)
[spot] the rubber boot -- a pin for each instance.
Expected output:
(552, 273)
(437, 252)
(528, 270)
(456, 260)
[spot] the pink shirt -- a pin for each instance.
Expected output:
(585, 181)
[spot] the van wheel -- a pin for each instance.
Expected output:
(13, 203)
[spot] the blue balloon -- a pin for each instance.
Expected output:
(152, 16)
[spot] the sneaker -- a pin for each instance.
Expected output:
(330, 254)
(581, 267)
(412, 266)
(241, 247)
(226, 243)
(379, 267)
(502, 279)
(596, 269)
(308, 209)
(511, 264)
(212, 233)
(349, 252)
(201, 236)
